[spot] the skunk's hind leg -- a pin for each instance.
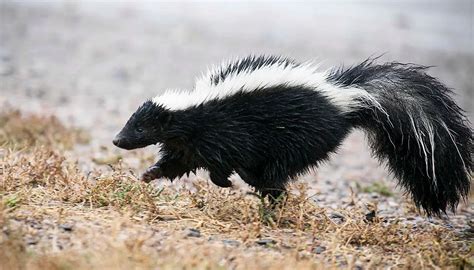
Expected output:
(249, 176)
(273, 182)
(220, 177)
(263, 183)
(275, 194)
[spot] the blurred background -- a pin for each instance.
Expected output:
(92, 63)
(95, 61)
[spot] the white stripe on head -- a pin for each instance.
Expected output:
(266, 76)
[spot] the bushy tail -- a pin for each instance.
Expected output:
(414, 124)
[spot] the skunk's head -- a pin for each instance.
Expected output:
(145, 127)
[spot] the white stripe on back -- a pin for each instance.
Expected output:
(305, 75)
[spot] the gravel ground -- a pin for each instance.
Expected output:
(92, 64)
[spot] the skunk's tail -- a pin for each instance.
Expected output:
(414, 124)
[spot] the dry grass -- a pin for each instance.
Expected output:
(18, 131)
(55, 216)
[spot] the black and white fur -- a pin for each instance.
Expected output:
(270, 119)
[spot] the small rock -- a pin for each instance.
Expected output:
(393, 204)
(319, 249)
(31, 241)
(337, 217)
(191, 232)
(35, 225)
(449, 226)
(66, 227)
(265, 241)
(231, 242)
(211, 238)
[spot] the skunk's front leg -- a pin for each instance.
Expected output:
(152, 173)
(167, 167)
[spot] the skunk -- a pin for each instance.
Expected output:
(270, 119)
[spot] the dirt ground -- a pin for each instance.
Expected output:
(91, 64)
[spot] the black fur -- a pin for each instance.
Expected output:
(250, 63)
(270, 135)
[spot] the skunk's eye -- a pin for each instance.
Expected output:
(139, 129)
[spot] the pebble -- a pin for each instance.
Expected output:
(374, 195)
(231, 242)
(191, 232)
(211, 238)
(265, 241)
(31, 241)
(66, 227)
(338, 218)
(35, 225)
(319, 249)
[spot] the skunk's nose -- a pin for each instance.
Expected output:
(116, 141)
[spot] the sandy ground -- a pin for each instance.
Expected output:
(93, 64)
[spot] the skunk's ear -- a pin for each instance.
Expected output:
(164, 118)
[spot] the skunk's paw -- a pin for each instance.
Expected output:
(152, 173)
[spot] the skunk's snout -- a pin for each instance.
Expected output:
(120, 141)
(124, 142)
(116, 141)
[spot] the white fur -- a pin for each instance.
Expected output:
(276, 74)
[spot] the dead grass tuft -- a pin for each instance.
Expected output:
(18, 130)
(39, 175)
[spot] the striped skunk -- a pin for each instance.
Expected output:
(270, 119)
